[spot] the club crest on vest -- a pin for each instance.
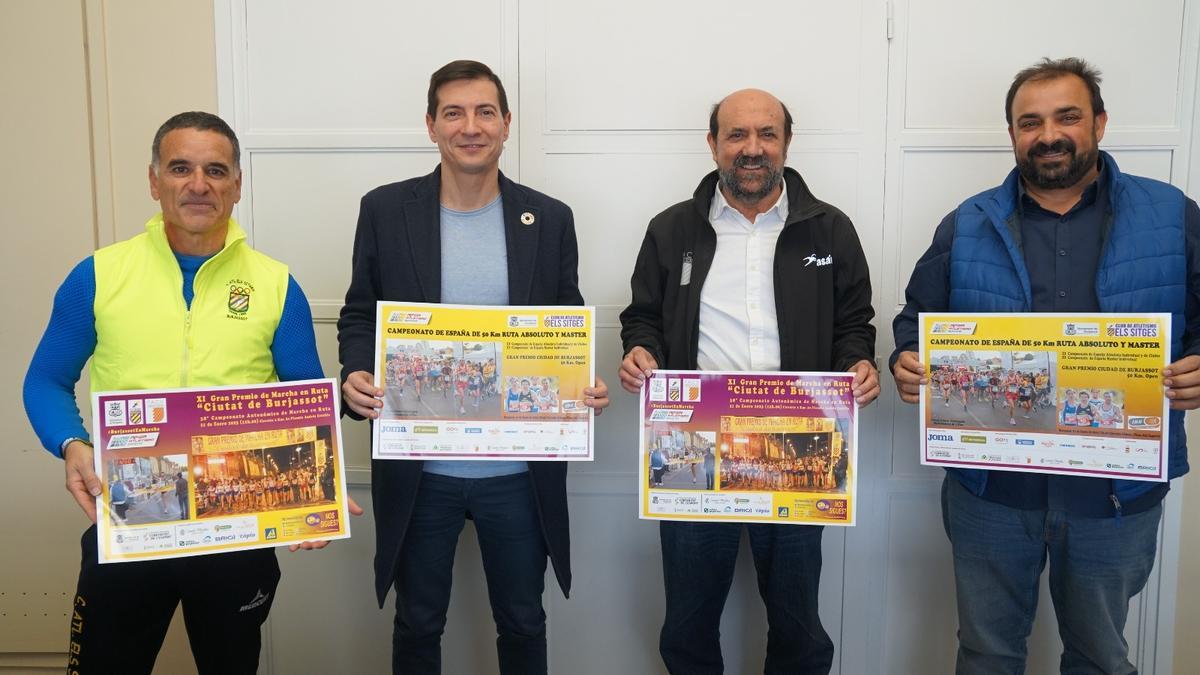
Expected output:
(239, 298)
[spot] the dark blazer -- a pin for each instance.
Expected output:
(398, 257)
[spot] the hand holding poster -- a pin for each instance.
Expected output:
(484, 383)
(773, 447)
(1065, 394)
(206, 470)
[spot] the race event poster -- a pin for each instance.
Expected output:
(206, 470)
(1069, 394)
(778, 447)
(483, 382)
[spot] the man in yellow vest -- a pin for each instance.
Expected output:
(185, 303)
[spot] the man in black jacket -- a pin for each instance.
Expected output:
(463, 234)
(752, 273)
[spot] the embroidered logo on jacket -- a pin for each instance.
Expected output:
(239, 298)
(821, 262)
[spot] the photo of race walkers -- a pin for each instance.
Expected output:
(992, 389)
(785, 462)
(143, 490)
(531, 394)
(441, 378)
(683, 460)
(265, 479)
(1100, 408)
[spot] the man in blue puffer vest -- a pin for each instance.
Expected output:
(1065, 232)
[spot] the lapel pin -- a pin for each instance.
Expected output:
(527, 218)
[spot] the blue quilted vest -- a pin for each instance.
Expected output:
(1143, 268)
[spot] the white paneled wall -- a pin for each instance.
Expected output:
(899, 116)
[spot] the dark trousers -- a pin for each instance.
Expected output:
(698, 564)
(122, 610)
(514, 561)
(1096, 566)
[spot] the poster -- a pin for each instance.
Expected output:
(206, 470)
(1068, 394)
(748, 447)
(483, 383)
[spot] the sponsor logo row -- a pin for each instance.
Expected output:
(163, 538)
(950, 439)
(677, 503)
(411, 429)
(1032, 460)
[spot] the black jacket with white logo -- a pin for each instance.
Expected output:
(822, 284)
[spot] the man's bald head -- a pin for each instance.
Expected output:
(749, 96)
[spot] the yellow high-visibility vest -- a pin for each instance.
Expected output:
(147, 338)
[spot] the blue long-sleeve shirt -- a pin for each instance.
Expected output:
(70, 339)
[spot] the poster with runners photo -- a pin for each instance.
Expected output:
(778, 447)
(483, 383)
(1065, 394)
(205, 470)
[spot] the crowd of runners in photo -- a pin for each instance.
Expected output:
(468, 382)
(814, 471)
(1013, 389)
(1025, 392)
(809, 472)
(286, 489)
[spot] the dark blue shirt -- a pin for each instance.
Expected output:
(1062, 254)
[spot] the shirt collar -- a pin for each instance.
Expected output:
(720, 204)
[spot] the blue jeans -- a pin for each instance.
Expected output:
(514, 562)
(1096, 566)
(698, 563)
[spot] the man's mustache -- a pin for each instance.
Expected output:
(1061, 145)
(746, 162)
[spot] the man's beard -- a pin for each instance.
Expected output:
(1063, 174)
(770, 179)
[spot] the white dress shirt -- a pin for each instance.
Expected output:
(739, 329)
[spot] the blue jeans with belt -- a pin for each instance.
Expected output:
(698, 564)
(1096, 566)
(514, 561)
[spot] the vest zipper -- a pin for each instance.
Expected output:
(1117, 506)
(187, 334)
(187, 319)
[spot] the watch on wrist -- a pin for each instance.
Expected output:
(62, 448)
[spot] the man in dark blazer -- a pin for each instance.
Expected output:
(463, 234)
